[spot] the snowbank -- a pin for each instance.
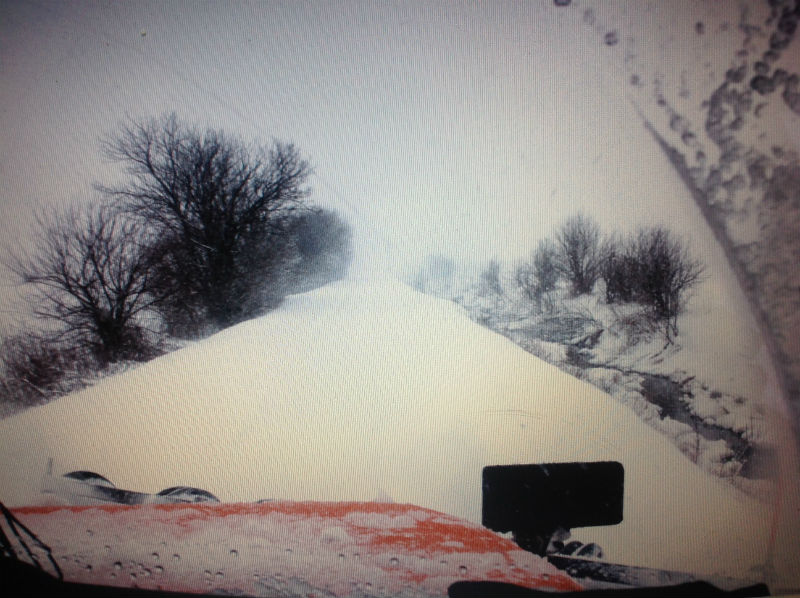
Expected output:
(358, 391)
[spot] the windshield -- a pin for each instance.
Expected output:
(281, 280)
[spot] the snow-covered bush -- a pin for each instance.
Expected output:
(35, 369)
(219, 209)
(665, 274)
(578, 243)
(652, 268)
(88, 277)
(619, 271)
(322, 248)
(632, 326)
(538, 276)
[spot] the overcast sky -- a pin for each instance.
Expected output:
(463, 129)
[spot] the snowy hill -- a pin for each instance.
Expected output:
(362, 391)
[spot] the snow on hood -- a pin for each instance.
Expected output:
(361, 390)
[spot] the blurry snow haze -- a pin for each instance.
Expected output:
(455, 129)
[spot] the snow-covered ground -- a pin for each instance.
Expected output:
(369, 390)
(716, 367)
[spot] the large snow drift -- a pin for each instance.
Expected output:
(363, 391)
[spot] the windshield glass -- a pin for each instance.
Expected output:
(281, 280)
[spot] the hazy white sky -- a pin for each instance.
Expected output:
(471, 130)
(440, 125)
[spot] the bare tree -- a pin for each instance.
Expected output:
(490, 306)
(666, 274)
(322, 248)
(220, 210)
(578, 242)
(540, 273)
(490, 283)
(620, 270)
(90, 279)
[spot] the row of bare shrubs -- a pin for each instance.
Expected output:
(651, 267)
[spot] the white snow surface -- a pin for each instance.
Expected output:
(366, 389)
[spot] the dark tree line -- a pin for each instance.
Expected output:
(206, 232)
(221, 211)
